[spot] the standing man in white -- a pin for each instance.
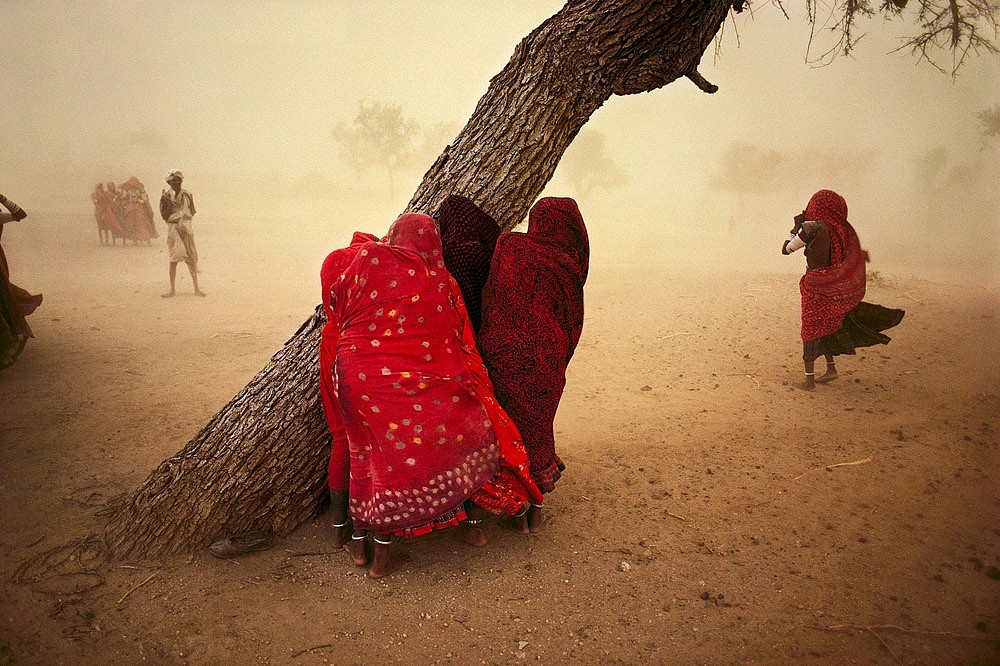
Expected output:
(177, 209)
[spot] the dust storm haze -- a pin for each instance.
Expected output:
(694, 465)
(243, 98)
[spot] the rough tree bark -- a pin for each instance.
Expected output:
(260, 463)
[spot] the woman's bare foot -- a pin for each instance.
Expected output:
(199, 292)
(518, 523)
(469, 532)
(808, 384)
(169, 294)
(535, 519)
(357, 548)
(383, 564)
(828, 376)
(342, 534)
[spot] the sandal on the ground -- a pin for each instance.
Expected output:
(241, 544)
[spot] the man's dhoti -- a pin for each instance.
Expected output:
(180, 243)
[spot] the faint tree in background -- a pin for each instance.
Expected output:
(588, 166)
(380, 136)
(929, 167)
(149, 139)
(747, 168)
(935, 169)
(989, 118)
(260, 463)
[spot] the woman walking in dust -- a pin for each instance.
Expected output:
(834, 318)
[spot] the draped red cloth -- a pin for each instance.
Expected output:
(100, 212)
(468, 238)
(532, 321)
(112, 211)
(423, 429)
(332, 269)
(137, 214)
(830, 293)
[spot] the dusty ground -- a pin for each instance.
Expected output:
(710, 513)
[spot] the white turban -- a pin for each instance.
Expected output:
(174, 173)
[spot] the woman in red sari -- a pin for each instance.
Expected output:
(834, 318)
(412, 399)
(113, 211)
(338, 472)
(532, 321)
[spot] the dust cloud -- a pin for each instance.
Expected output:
(244, 98)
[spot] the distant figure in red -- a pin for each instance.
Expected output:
(98, 196)
(468, 236)
(834, 318)
(15, 303)
(532, 321)
(137, 214)
(428, 441)
(113, 211)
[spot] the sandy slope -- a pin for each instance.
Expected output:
(710, 512)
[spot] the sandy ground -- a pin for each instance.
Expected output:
(711, 513)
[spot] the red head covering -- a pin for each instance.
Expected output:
(830, 293)
(557, 221)
(830, 208)
(418, 233)
(468, 238)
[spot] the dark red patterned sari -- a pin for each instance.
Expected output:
(532, 321)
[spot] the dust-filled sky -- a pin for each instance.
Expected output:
(243, 97)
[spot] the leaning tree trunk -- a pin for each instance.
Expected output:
(260, 463)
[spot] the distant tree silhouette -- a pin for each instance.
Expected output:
(930, 167)
(588, 166)
(379, 137)
(990, 120)
(748, 169)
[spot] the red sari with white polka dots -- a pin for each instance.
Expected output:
(423, 427)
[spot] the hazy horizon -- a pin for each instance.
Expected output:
(243, 99)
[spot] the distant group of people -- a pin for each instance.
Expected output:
(123, 213)
(442, 363)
